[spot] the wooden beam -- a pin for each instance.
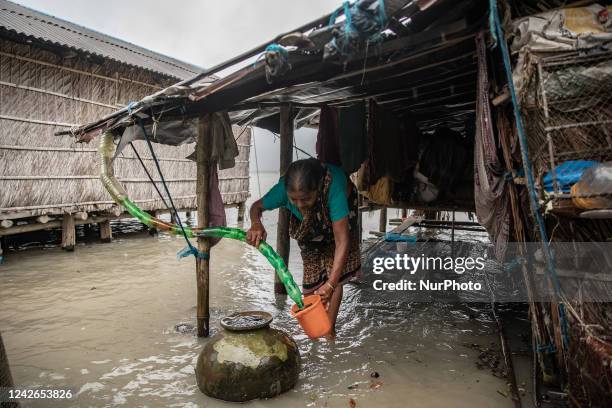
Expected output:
(202, 265)
(286, 157)
(68, 233)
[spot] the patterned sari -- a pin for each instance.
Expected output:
(315, 237)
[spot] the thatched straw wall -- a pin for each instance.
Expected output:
(41, 93)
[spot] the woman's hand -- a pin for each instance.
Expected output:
(256, 234)
(325, 291)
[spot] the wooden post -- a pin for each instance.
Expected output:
(68, 233)
(382, 224)
(202, 265)
(286, 157)
(241, 210)
(6, 379)
(404, 213)
(106, 233)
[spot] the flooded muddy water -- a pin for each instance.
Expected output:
(113, 323)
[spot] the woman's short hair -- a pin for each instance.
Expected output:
(304, 175)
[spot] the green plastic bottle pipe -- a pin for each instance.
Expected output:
(120, 196)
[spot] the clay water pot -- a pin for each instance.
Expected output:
(248, 359)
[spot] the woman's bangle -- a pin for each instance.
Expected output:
(330, 285)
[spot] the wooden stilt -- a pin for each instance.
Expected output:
(241, 210)
(404, 212)
(68, 233)
(202, 265)
(286, 157)
(382, 224)
(106, 233)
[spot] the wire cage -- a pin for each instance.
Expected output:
(569, 121)
(589, 367)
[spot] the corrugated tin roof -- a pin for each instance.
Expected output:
(41, 26)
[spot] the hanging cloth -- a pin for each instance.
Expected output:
(490, 188)
(353, 136)
(328, 144)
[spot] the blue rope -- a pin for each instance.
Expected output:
(527, 166)
(492, 6)
(192, 250)
(350, 29)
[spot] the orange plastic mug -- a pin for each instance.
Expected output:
(313, 318)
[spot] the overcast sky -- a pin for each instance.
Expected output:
(202, 32)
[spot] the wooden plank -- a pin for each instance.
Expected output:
(407, 223)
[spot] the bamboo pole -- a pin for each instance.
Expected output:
(283, 245)
(202, 265)
(68, 233)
